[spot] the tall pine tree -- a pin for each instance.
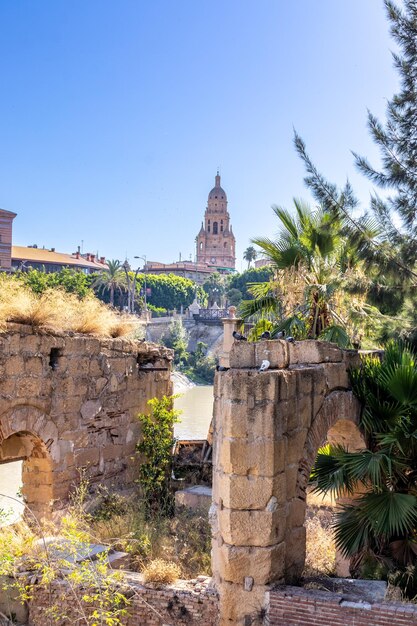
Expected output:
(397, 138)
(392, 254)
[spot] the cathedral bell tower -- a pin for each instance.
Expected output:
(216, 241)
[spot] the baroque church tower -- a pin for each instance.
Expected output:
(216, 241)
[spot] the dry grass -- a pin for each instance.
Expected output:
(160, 571)
(58, 310)
(321, 549)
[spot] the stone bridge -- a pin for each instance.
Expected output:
(69, 403)
(268, 427)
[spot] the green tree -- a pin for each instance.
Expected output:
(168, 291)
(243, 281)
(176, 338)
(110, 280)
(215, 288)
(315, 269)
(381, 522)
(250, 255)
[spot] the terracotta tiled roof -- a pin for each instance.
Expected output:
(40, 255)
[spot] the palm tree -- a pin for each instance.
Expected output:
(319, 286)
(250, 255)
(381, 522)
(110, 280)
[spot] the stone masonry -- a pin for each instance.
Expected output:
(268, 427)
(68, 403)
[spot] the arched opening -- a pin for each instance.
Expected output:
(215, 228)
(26, 454)
(309, 522)
(201, 245)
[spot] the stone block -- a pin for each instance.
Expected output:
(90, 409)
(29, 387)
(351, 358)
(337, 376)
(287, 385)
(248, 492)
(304, 411)
(87, 457)
(256, 457)
(291, 477)
(15, 366)
(296, 513)
(238, 419)
(295, 552)
(274, 351)
(252, 528)
(238, 606)
(312, 351)
(263, 564)
(33, 365)
(197, 497)
(295, 445)
(242, 355)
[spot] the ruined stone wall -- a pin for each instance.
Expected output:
(184, 603)
(69, 402)
(268, 427)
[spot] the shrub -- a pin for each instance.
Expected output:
(59, 310)
(155, 448)
(320, 548)
(160, 571)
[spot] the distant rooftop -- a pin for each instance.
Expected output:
(31, 254)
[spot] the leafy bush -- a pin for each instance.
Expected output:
(157, 311)
(155, 450)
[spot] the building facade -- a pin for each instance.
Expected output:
(216, 241)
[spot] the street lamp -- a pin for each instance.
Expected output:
(144, 277)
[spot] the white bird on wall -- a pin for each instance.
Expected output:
(264, 365)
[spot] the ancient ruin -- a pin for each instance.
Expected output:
(268, 427)
(69, 403)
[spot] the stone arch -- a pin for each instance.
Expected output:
(27, 434)
(37, 470)
(337, 421)
(215, 228)
(337, 417)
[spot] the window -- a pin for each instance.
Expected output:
(221, 225)
(201, 245)
(208, 226)
(215, 228)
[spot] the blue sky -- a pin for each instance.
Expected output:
(115, 114)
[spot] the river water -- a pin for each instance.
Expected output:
(196, 405)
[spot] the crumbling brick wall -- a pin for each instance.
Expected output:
(294, 606)
(193, 603)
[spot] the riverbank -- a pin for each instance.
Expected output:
(181, 382)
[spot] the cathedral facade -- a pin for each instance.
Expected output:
(216, 241)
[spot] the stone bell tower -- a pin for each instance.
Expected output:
(216, 241)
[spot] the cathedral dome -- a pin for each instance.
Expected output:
(217, 193)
